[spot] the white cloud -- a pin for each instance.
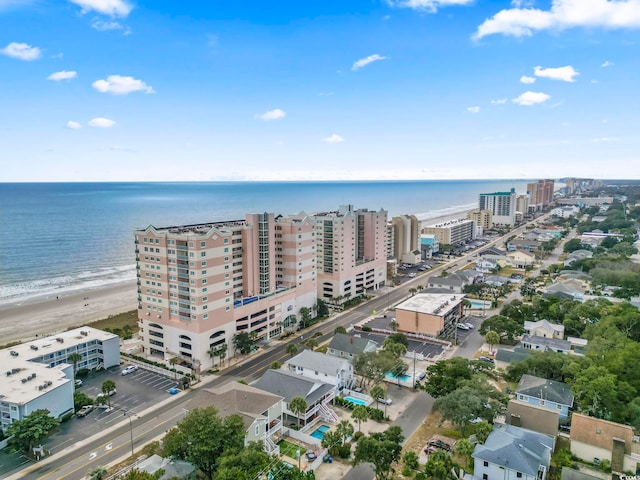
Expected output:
(564, 14)
(527, 80)
(119, 85)
(335, 138)
(605, 139)
(62, 75)
(522, 3)
(101, 122)
(113, 8)
(103, 26)
(566, 74)
(430, 5)
(274, 114)
(474, 109)
(22, 51)
(73, 125)
(363, 62)
(531, 98)
(499, 101)
(607, 63)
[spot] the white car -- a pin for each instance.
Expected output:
(386, 401)
(462, 326)
(111, 393)
(470, 325)
(412, 274)
(129, 369)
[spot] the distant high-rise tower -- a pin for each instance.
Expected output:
(540, 194)
(406, 229)
(502, 206)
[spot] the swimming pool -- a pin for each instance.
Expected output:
(479, 304)
(320, 431)
(404, 378)
(357, 401)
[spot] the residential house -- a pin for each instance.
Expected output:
(513, 453)
(532, 417)
(496, 280)
(288, 385)
(552, 395)
(349, 347)
(573, 289)
(577, 255)
(172, 468)
(523, 244)
(486, 265)
(594, 440)
(571, 474)
(491, 251)
(521, 259)
(544, 328)
(326, 368)
(454, 282)
(545, 344)
(261, 411)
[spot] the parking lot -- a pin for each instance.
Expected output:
(135, 392)
(428, 350)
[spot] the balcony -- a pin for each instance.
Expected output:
(274, 427)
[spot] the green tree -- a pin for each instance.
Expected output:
(222, 352)
(291, 349)
(312, 343)
(345, 430)
(275, 365)
(74, 358)
(394, 348)
(549, 365)
(173, 361)
(305, 315)
(360, 414)
(410, 460)
(323, 309)
(108, 386)
(333, 441)
(80, 399)
(399, 369)
(398, 337)
(243, 343)
(492, 338)
(31, 430)
(340, 329)
(98, 473)
(482, 431)
(506, 327)
(373, 366)
(377, 392)
(298, 406)
(439, 466)
(464, 448)
(382, 450)
(202, 438)
(135, 474)
(445, 376)
(247, 464)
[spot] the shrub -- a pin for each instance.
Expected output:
(66, 417)
(376, 414)
(82, 372)
(366, 329)
(275, 365)
(357, 436)
(317, 334)
(343, 451)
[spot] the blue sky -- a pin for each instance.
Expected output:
(115, 90)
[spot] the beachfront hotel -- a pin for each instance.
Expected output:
(351, 252)
(199, 285)
(452, 232)
(540, 194)
(38, 374)
(502, 206)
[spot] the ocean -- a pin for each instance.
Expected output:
(57, 238)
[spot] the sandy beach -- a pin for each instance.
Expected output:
(29, 319)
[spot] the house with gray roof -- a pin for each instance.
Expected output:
(552, 395)
(288, 385)
(172, 468)
(454, 283)
(513, 452)
(261, 411)
(496, 280)
(544, 328)
(545, 344)
(326, 368)
(347, 346)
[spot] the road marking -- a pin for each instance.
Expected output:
(109, 446)
(93, 455)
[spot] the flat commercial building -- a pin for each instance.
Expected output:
(429, 313)
(502, 206)
(351, 252)
(38, 374)
(199, 285)
(451, 232)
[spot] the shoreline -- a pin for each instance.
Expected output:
(34, 317)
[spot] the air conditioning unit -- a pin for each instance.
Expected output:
(34, 347)
(84, 333)
(596, 461)
(61, 340)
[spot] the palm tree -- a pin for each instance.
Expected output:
(98, 473)
(74, 358)
(108, 386)
(292, 349)
(298, 406)
(394, 348)
(360, 414)
(173, 362)
(222, 352)
(464, 448)
(466, 304)
(312, 343)
(393, 325)
(345, 430)
(492, 338)
(377, 392)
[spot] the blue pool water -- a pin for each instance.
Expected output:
(320, 431)
(404, 378)
(357, 401)
(479, 304)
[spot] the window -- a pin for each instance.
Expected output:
(519, 474)
(203, 264)
(203, 244)
(559, 407)
(485, 476)
(485, 464)
(257, 430)
(203, 254)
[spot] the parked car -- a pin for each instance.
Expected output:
(462, 326)
(78, 382)
(386, 401)
(129, 369)
(435, 444)
(111, 393)
(470, 325)
(84, 411)
(486, 359)
(412, 274)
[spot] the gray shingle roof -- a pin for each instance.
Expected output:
(509, 356)
(554, 343)
(244, 400)
(317, 361)
(557, 392)
(343, 342)
(289, 385)
(516, 449)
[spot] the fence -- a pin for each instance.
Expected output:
(5, 442)
(180, 370)
(302, 437)
(317, 462)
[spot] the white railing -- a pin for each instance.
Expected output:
(182, 371)
(317, 462)
(329, 415)
(275, 429)
(271, 447)
(302, 437)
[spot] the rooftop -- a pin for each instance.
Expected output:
(432, 303)
(348, 343)
(449, 223)
(548, 342)
(544, 389)
(289, 385)
(318, 361)
(197, 229)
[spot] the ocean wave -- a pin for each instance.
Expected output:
(65, 284)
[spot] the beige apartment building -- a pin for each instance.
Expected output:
(406, 239)
(351, 252)
(540, 194)
(482, 218)
(451, 232)
(199, 285)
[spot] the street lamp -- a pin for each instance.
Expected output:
(126, 414)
